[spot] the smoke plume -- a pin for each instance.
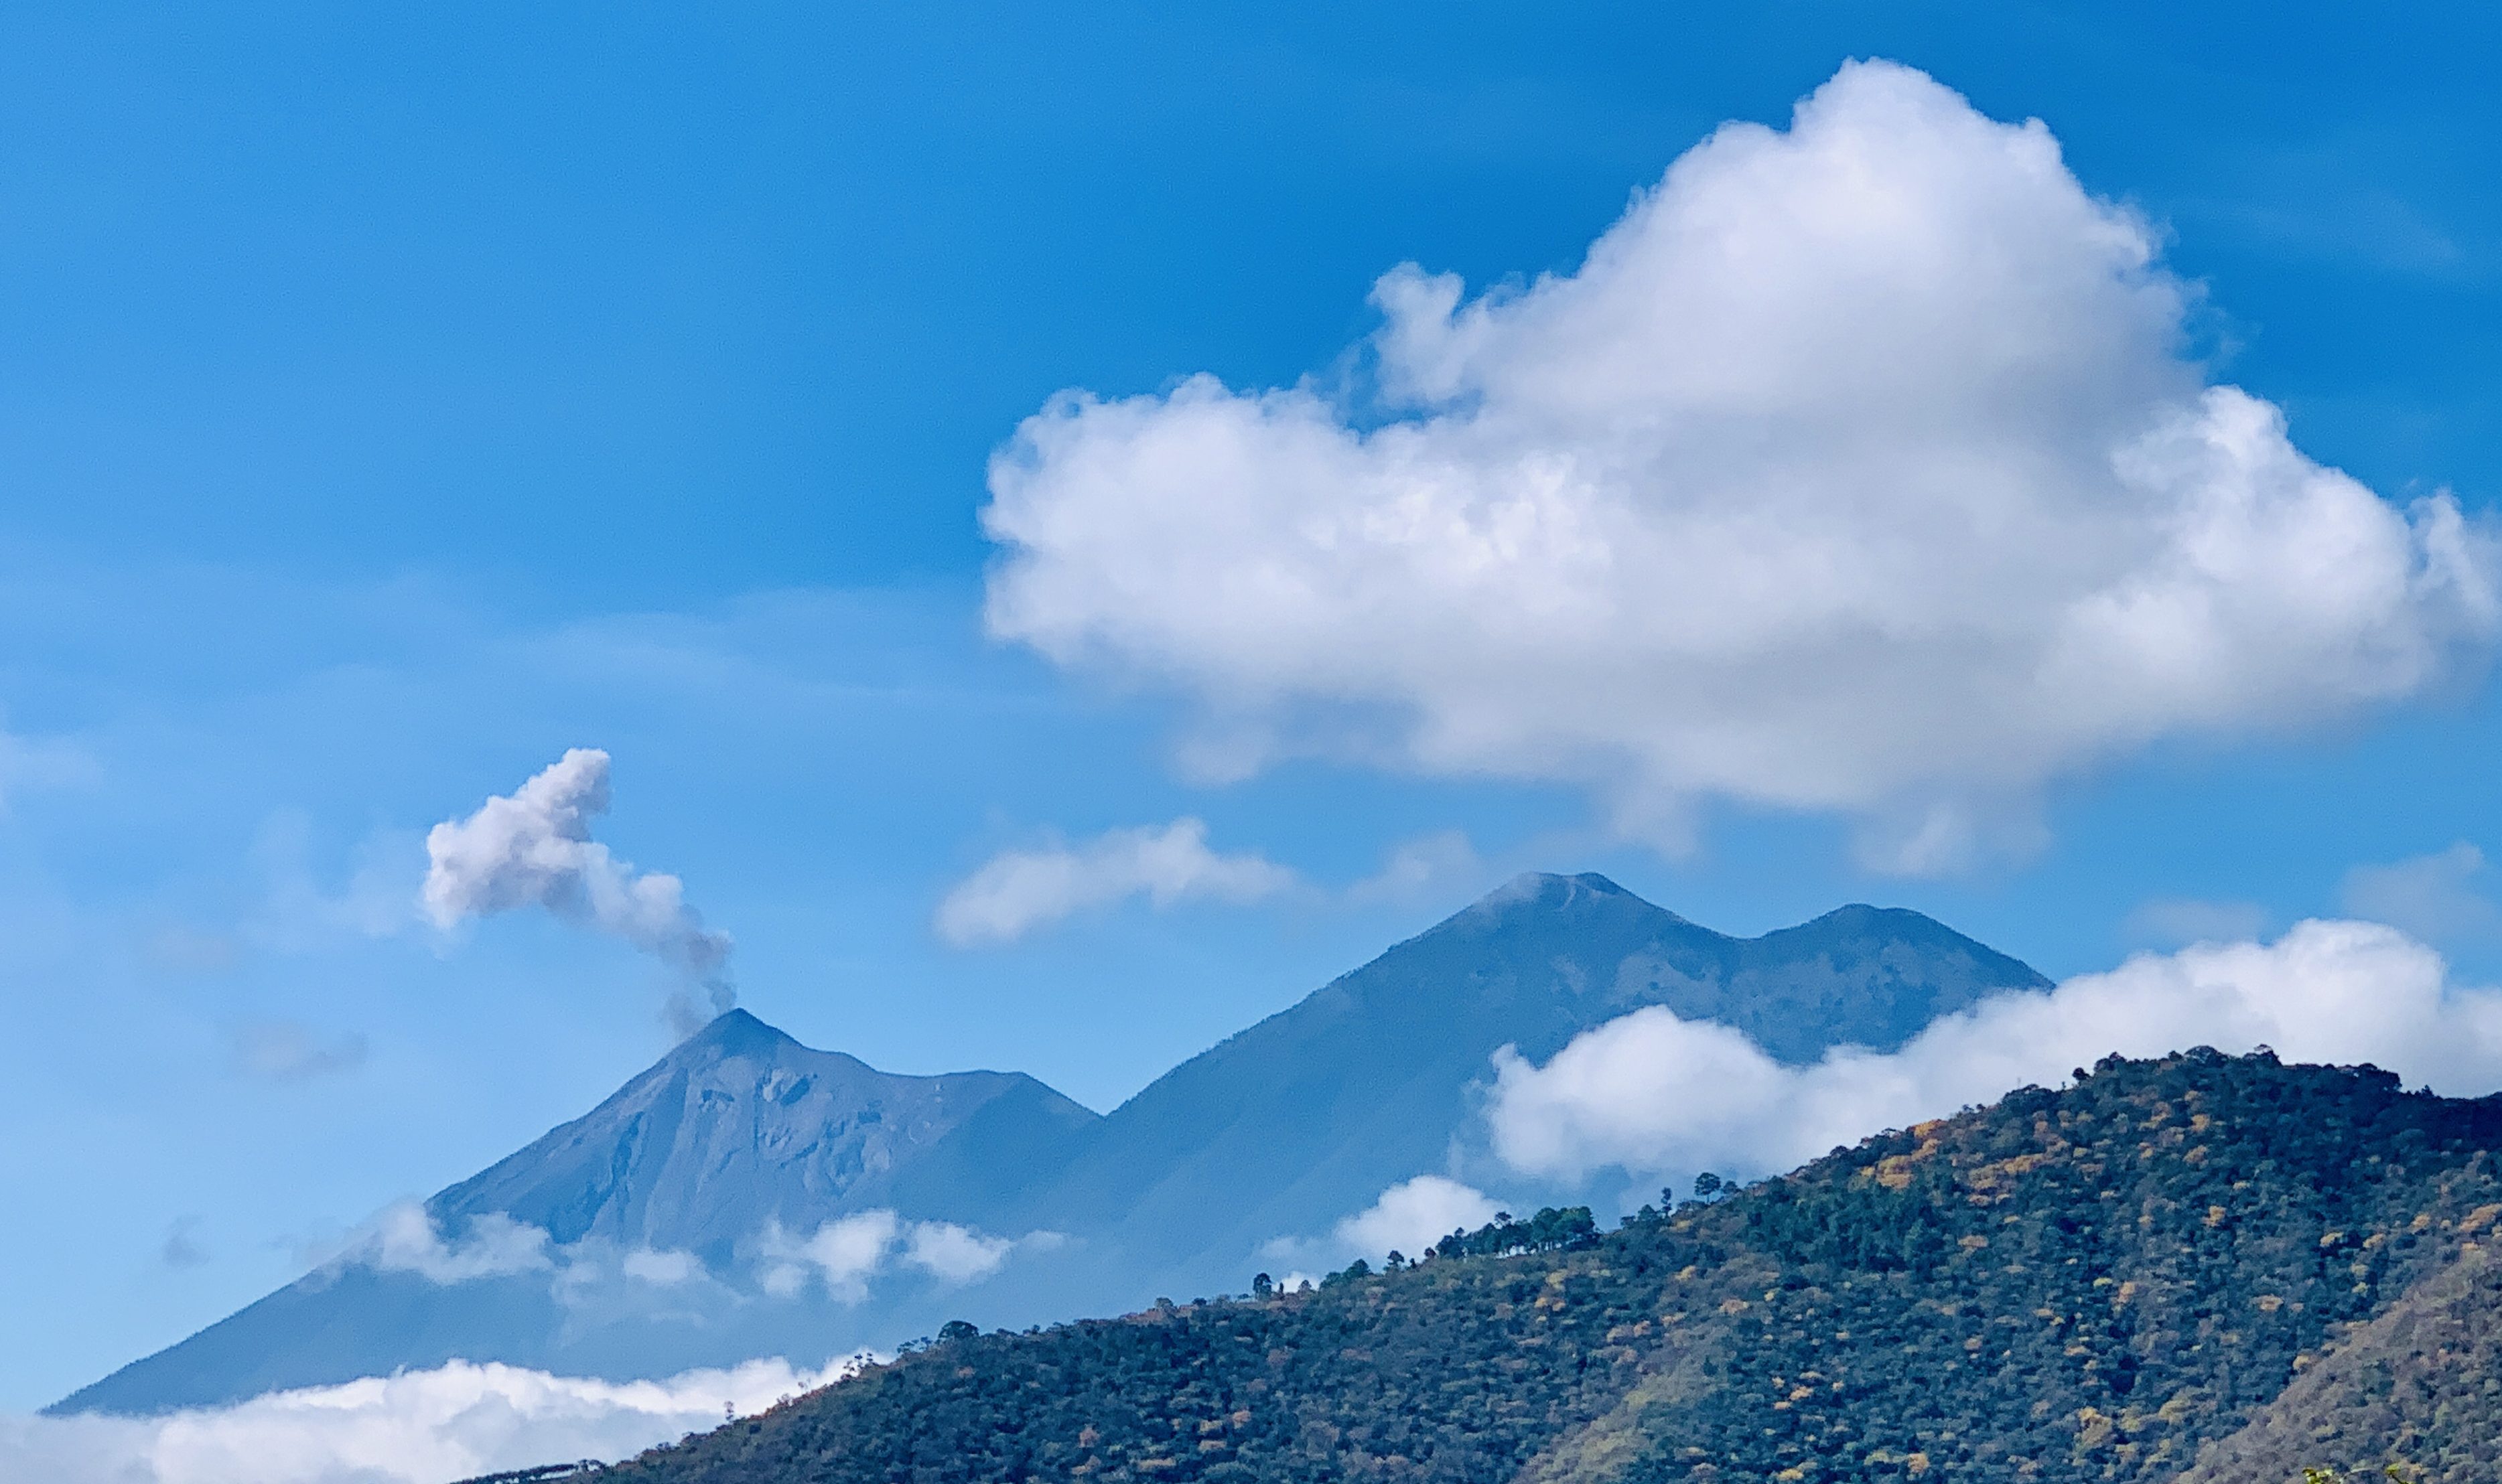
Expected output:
(532, 848)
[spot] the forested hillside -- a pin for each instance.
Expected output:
(2421, 1383)
(2089, 1284)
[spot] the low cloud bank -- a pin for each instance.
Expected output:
(532, 848)
(1652, 1092)
(405, 1238)
(420, 1427)
(844, 1254)
(1019, 890)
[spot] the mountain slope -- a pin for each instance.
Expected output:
(2420, 1385)
(738, 1127)
(2086, 1285)
(741, 1142)
(1308, 1116)
(735, 1130)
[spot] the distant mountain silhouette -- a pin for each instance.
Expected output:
(1279, 1131)
(741, 1126)
(1309, 1115)
(738, 1127)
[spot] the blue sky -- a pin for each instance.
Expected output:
(388, 405)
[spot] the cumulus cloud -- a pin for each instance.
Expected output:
(602, 1282)
(1408, 1217)
(846, 1253)
(1650, 1092)
(842, 1255)
(291, 1051)
(2441, 898)
(660, 1268)
(1019, 890)
(953, 1253)
(1858, 467)
(533, 849)
(419, 1427)
(405, 1237)
(1413, 1215)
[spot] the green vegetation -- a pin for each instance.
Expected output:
(1549, 1231)
(2421, 1383)
(2114, 1282)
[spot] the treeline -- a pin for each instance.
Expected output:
(1549, 1231)
(2094, 1284)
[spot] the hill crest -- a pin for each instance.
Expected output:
(2096, 1283)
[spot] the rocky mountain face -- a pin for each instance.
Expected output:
(2200, 1267)
(679, 1175)
(742, 1125)
(660, 1211)
(1310, 1114)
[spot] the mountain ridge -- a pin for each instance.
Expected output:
(820, 1124)
(741, 1142)
(2105, 1282)
(1530, 965)
(734, 1133)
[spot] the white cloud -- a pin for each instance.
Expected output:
(953, 1253)
(1408, 1218)
(1650, 1092)
(1412, 1216)
(2439, 897)
(1018, 891)
(533, 849)
(291, 1051)
(660, 1268)
(846, 1253)
(405, 1238)
(842, 1254)
(601, 1284)
(419, 1427)
(1859, 467)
